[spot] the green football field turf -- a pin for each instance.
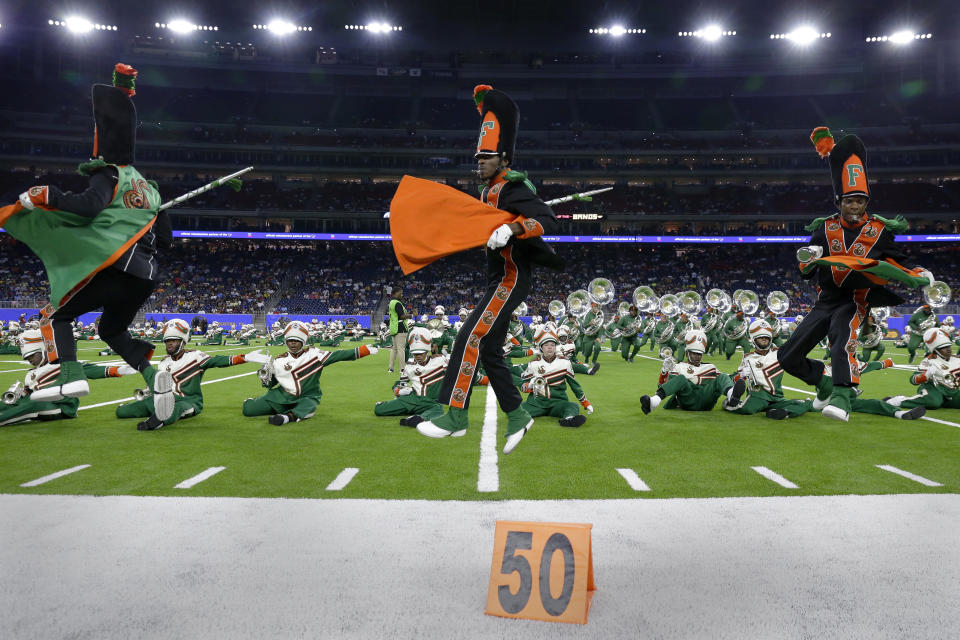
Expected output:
(675, 453)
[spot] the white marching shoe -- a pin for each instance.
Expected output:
(163, 399)
(75, 389)
(835, 413)
(514, 438)
(431, 430)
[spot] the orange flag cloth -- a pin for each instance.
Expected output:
(429, 221)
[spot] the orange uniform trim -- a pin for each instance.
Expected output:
(860, 298)
(471, 354)
(868, 236)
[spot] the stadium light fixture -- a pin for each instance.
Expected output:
(803, 36)
(182, 26)
(710, 33)
(281, 27)
(902, 37)
(80, 25)
(617, 31)
(373, 27)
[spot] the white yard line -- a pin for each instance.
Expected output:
(633, 480)
(109, 402)
(775, 477)
(11, 370)
(200, 477)
(488, 478)
(939, 421)
(927, 418)
(54, 476)
(343, 479)
(908, 475)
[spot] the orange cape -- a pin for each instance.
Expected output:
(429, 221)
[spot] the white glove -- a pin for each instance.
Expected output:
(373, 350)
(25, 201)
(125, 370)
(404, 391)
(500, 237)
(257, 356)
(924, 273)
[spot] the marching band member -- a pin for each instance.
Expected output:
(419, 385)
(186, 368)
(18, 405)
(735, 333)
(545, 380)
(852, 254)
(612, 331)
(630, 325)
(764, 378)
(871, 340)
(512, 251)
(921, 320)
(99, 246)
(936, 377)
(568, 350)
(292, 379)
(693, 385)
(592, 333)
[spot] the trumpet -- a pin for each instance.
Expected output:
(539, 386)
(14, 393)
(666, 352)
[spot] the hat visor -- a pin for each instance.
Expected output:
(485, 154)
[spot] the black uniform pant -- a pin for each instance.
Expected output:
(838, 320)
(121, 296)
(483, 334)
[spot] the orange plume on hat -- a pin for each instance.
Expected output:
(479, 92)
(822, 139)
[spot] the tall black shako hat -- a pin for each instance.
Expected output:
(848, 163)
(501, 119)
(115, 117)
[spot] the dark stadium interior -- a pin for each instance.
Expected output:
(694, 139)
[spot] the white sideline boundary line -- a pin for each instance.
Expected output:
(908, 475)
(343, 479)
(54, 476)
(775, 477)
(633, 480)
(937, 420)
(488, 476)
(200, 477)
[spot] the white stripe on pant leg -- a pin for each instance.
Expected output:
(908, 475)
(488, 479)
(54, 476)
